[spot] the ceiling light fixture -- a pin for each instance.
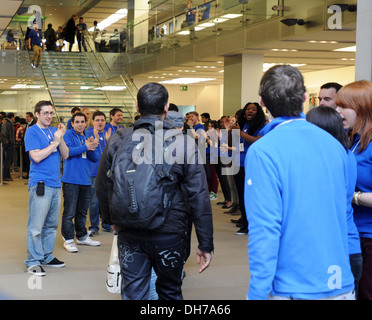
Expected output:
(293, 22)
(345, 7)
(347, 49)
(187, 80)
(118, 15)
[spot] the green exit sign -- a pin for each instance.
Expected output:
(183, 88)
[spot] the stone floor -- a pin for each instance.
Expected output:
(84, 276)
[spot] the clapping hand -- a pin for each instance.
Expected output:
(91, 143)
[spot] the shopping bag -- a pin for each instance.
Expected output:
(113, 281)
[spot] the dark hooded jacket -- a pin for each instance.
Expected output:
(191, 202)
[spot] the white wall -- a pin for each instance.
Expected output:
(204, 98)
(314, 80)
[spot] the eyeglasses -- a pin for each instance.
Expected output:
(45, 114)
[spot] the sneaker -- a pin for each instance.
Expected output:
(106, 229)
(36, 270)
(92, 233)
(70, 246)
(89, 242)
(55, 263)
(33, 66)
(242, 232)
(212, 196)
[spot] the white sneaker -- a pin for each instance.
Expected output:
(33, 66)
(70, 246)
(89, 242)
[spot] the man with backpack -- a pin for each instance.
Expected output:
(146, 190)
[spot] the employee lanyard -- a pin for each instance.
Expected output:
(50, 139)
(289, 121)
(356, 146)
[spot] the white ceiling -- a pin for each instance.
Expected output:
(8, 10)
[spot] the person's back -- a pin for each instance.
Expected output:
(296, 204)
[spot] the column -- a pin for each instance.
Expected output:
(138, 14)
(242, 75)
(363, 63)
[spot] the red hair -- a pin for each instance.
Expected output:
(358, 96)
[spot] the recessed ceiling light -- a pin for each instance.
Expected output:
(187, 80)
(347, 49)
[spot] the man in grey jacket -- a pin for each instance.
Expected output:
(163, 248)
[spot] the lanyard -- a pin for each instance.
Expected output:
(50, 139)
(355, 146)
(289, 121)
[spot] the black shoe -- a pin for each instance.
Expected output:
(234, 207)
(236, 220)
(242, 232)
(55, 263)
(221, 202)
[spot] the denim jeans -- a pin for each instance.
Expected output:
(75, 206)
(42, 225)
(94, 212)
(140, 253)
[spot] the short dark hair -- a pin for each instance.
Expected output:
(152, 99)
(173, 107)
(78, 114)
(330, 85)
(74, 109)
(98, 113)
(205, 115)
(113, 111)
(41, 104)
(329, 120)
(30, 114)
(282, 90)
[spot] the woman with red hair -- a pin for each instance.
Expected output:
(354, 103)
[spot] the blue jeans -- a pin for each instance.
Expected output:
(42, 225)
(94, 213)
(75, 206)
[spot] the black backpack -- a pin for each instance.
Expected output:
(140, 194)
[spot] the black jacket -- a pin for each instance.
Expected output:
(191, 202)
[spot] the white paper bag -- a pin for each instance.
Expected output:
(113, 281)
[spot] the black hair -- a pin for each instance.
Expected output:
(329, 120)
(173, 107)
(98, 113)
(78, 114)
(41, 104)
(256, 123)
(330, 85)
(152, 99)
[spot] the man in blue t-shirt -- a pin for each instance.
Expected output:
(35, 42)
(204, 10)
(76, 184)
(116, 117)
(45, 145)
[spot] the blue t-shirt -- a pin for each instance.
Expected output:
(47, 170)
(36, 37)
(113, 128)
(102, 143)
(205, 9)
(363, 215)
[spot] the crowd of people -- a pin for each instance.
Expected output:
(308, 218)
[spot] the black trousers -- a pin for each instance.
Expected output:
(141, 251)
(239, 182)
